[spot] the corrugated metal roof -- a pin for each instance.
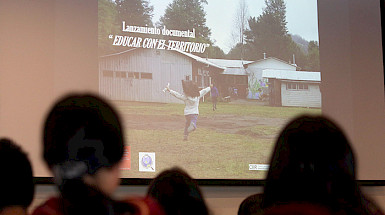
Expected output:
(273, 58)
(234, 71)
(291, 75)
(229, 63)
(199, 59)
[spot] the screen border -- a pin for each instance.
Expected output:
(204, 182)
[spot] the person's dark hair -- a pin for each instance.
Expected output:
(177, 193)
(84, 128)
(17, 188)
(82, 133)
(190, 88)
(313, 162)
(298, 209)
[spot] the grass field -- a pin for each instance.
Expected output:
(225, 143)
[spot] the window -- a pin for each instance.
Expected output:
(145, 75)
(108, 73)
(206, 80)
(121, 75)
(296, 86)
(291, 86)
(303, 86)
(134, 75)
(200, 82)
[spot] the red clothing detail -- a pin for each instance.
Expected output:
(144, 206)
(51, 207)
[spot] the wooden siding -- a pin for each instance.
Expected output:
(301, 98)
(275, 93)
(165, 67)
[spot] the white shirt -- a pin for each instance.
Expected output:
(191, 103)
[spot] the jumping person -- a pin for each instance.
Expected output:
(191, 99)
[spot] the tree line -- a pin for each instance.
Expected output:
(266, 33)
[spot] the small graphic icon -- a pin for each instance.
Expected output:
(146, 161)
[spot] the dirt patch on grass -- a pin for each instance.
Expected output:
(232, 124)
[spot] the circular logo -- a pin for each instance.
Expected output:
(146, 161)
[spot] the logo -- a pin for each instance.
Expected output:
(146, 161)
(262, 167)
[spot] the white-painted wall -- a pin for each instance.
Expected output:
(310, 97)
(165, 66)
(255, 69)
(271, 63)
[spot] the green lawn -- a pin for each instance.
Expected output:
(209, 152)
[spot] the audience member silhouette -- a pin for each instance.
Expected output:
(312, 163)
(83, 146)
(17, 188)
(178, 193)
(298, 209)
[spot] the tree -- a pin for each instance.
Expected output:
(186, 15)
(107, 16)
(301, 42)
(268, 33)
(240, 22)
(111, 14)
(277, 10)
(297, 56)
(135, 12)
(235, 53)
(313, 62)
(215, 52)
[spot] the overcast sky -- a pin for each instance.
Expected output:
(301, 17)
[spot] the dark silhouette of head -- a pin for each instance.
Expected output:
(297, 209)
(177, 193)
(16, 182)
(83, 128)
(83, 141)
(190, 88)
(312, 162)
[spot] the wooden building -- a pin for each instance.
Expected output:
(141, 74)
(293, 88)
(234, 76)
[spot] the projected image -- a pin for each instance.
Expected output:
(207, 84)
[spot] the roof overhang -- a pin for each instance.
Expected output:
(292, 75)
